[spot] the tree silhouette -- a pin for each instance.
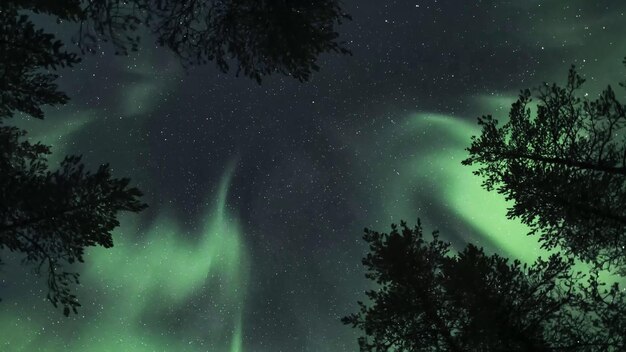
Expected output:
(564, 168)
(428, 299)
(51, 216)
(48, 216)
(27, 55)
(259, 37)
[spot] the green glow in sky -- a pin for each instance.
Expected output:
(156, 274)
(432, 172)
(169, 287)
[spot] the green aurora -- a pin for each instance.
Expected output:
(135, 277)
(144, 270)
(172, 286)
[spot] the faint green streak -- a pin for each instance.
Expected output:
(136, 290)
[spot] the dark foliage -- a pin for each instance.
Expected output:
(259, 37)
(429, 299)
(49, 216)
(26, 56)
(52, 216)
(564, 168)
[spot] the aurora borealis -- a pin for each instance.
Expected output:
(258, 193)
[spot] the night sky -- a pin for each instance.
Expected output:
(258, 194)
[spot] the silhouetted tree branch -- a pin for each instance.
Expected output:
(429, 299)
(26, 54)
(564, 168)
(52, 216)
(48, 216)
(259, 37)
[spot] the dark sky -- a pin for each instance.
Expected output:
(258, 193)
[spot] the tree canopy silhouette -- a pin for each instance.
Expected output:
(258, 37)
(429, 299)
(27, 57)
(51, 216)
(564, 168)
(48, 216)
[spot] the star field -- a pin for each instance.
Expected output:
(258, 194)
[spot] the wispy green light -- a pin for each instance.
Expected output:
(128, 286)
(427, 151)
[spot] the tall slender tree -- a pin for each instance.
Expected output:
(564, 168)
